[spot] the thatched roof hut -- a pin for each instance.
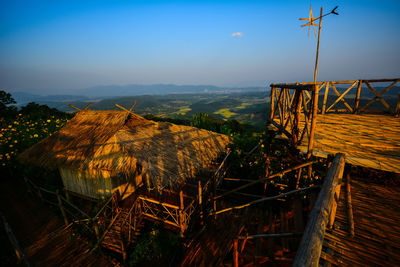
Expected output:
(98, 151)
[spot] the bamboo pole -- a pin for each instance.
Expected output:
(310, 247)
(181, 218)
(96, 230)
(265, 199)
(349, 205)
(267, 178)
(357, 99)
(397, 111)
(334, 206)
(325, 98)
(279, 235)
(200, 201)
(273, 91)
(235, 253)
(315, 95)
(60, 205)
(13, 240)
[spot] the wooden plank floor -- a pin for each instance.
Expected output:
(371, 141)
(376, 210)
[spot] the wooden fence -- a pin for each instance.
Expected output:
(292, 102)
(322, 216)
(283, 233)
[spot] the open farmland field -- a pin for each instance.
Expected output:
(249, 107)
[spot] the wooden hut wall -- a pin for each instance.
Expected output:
(95, 184)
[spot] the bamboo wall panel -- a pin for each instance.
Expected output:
(371, 141)
(377, 231)
(95, 184)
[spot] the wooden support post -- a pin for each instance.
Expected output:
(283, 99)
(397, 110)
(96, 230)
(200, 201)
(334, 206)
(13, 240)
(273, 92)
(313, 121)
(295, 127)
(309, 172)
(181, 218)
(298, 178)
(357, 100)
(60, 205)
(325, 97)
(315, 94)
(349, 205)
(235, 253)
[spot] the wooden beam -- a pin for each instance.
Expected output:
(269, 235)
(397, 111)
(235, 253)
(267, 178)
(181, 218)
(297, 86)
(325, 98)
(13, 240)
(272, 99)
(357, 99)
(310, 247)
(341, 96)
(158, 202)
(281, 129)
(379, 96)
(72, 106)
(287, 85)
(265, 199)
(87, 106)
(313, 122)
(121, 107)
(349, 206)
(134, 104)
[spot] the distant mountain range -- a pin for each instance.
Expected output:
(109, 91)
(158, 89)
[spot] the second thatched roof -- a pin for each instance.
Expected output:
(124, 143)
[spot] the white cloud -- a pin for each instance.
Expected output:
(237, 34)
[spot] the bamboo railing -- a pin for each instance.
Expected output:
(292, 102)
(322, 215)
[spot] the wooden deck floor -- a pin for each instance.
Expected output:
(371, 141)
(376, 210)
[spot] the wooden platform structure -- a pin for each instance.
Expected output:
(353, 223)
(317, 125)
(371, 141)
(376, 238)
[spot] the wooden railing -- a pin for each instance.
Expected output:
(72, 215)
(322, 215)
(295, 102)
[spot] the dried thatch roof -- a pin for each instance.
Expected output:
(123, 143)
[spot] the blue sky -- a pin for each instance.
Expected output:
(58, 46)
